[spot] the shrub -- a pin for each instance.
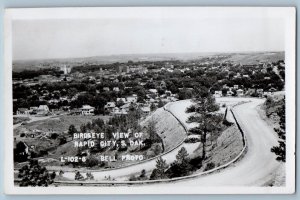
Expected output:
(227, 123)
(143, 174)
(192, 140)
(91, 161)
(209, 166)
(196, 163)
(132, 178)
(62, 140)
(54, 136)
(78, 176)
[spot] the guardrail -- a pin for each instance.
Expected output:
(172, 179)
(239, 127)
(120, 183)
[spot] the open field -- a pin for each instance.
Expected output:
(61, 123)
(17, 120)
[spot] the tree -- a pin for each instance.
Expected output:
(151, 130)
(182, 156)
(204, 113)
(35, 175)
(224, 91)
(280, 150)
(143, 174)
(160, 103)
(160, 171)
(78, 176)
(181, 166)
(152, 107)
(72, 130)
(20, 152)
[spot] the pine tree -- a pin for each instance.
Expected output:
(182, 156)
(160, 171)
(205, 115)
(72, 130)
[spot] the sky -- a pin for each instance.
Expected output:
(145, 33)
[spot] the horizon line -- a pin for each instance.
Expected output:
(133, 54)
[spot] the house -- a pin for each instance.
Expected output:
(23, 111)
(53, 101)
(218, 93)
(153, 91)
(132, 99)
(225, 86)
(43, 110)
(110, 106)
(116, 89)
(229, 93)
(126, 106)
(64, 99)
(236, 87)
(106, 89)
(145, 110)
(240, 92)
(267, 93)
(172, 99)
(122, 100)
(119, 111)
(87, 110)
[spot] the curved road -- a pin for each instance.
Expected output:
(123, 174)
(258, 165)
(255, 169)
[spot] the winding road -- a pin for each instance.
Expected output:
(258, 165)
(256, 168)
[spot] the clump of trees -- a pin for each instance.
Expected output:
(35, 175)
(140, 177)
(80, 177)
(280, 150)
(182, 166)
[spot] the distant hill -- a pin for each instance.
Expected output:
(243, 58)
(254, 58)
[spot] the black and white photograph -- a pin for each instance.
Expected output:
(150, 100)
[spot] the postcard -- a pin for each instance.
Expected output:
(150, 100)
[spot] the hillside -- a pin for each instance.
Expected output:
(167, 127)
(236, 57)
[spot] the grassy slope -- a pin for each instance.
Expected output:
(168, 128)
